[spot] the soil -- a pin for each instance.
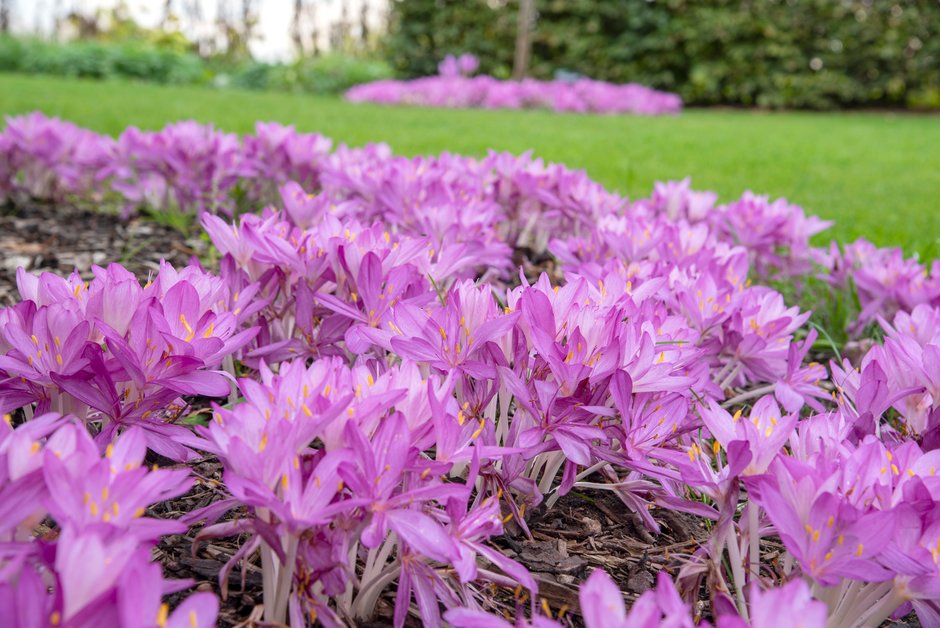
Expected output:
(42, 237)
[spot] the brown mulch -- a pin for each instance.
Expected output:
(60, 238)
(580, 533)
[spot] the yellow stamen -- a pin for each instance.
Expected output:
(163, 615)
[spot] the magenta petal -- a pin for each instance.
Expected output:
(423, 534)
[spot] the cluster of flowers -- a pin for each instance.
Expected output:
(455, 87)
(76, 542)
(408, 393)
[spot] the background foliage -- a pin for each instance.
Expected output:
(153, 62)
(815, 54)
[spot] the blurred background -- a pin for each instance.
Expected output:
(805, 54)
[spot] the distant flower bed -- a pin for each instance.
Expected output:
(454, 87)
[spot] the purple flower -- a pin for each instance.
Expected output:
(602, 604)
(777, 608)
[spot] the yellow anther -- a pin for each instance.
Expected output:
(860, 549)
(162, 615)
(284, 482)
(716, 447)
(109, 450)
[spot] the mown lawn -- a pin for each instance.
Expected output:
(876, 174)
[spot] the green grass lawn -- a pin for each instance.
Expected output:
(876, 174)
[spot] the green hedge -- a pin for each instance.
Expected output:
(325, 74)
(817, 54)
(148, 62)
(99, 60)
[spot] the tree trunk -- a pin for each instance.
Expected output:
(167, 13)
(296, 34)
(5, 10)
(524, 39)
